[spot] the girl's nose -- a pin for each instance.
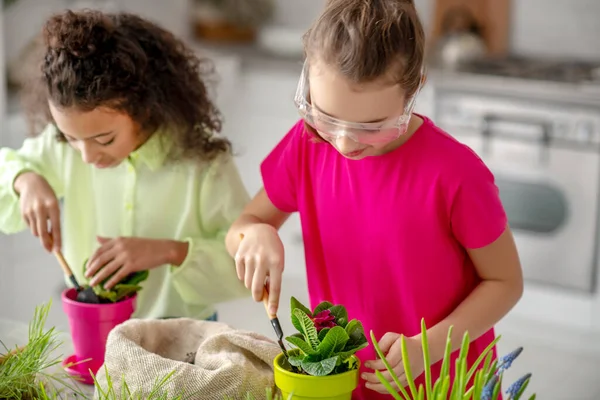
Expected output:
(88, 153)
(345, 145)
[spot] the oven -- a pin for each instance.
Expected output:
(546, 161)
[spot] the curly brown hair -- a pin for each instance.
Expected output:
(129, 64)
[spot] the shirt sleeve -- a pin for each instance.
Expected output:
(477, 214)
(280, 170)
(208, 275)
(43, 155)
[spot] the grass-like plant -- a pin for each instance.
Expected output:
(157, 392)
(25, 371)
(486, 378)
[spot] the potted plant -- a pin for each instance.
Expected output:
(26, 371)
(479, 382)
(486, 378)
(323, 363)
(90, 324)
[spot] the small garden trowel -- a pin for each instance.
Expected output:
(276, 326)
(86, 295)
(274, 321)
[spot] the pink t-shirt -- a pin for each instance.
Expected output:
(386, 236)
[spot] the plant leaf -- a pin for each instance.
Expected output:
(105, 294)
(461, 366)
(487, 351)
(388, 386)
(325, 305)
(307, 328)
(319, 368)
(388, 367)
(323, 333)
(136, 278)
(301, 344)
(447, 353)
(407, 369)
(340, 314)
(356, 334)
(426, 361)
(123, 290)
(296, 305)
(347, 353)
(127, 286)
(333, 343)
(296, 360)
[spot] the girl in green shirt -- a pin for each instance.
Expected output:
(130, 144)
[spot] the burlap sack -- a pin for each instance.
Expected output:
(226, 362)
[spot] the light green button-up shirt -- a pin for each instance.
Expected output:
(145, 197)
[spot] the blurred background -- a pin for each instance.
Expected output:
(518, 81)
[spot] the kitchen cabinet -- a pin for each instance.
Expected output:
(3, 93)
(426, 100)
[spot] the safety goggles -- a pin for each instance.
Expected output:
(332, 128)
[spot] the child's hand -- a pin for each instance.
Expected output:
(39, 205)
(122, 256)
(259, 256)
(390, 345)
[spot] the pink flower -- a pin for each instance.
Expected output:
(324, 319)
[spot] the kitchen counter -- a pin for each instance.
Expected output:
(585, 95)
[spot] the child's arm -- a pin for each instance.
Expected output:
(259, 211)
(42, 155)
(501, 286)
(499, 268)
(207, 274)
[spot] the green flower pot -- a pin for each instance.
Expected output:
(304, 387)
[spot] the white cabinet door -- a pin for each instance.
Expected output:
(426, 100)
(3, 94)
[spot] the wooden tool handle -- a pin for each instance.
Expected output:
(63, 262)
(265, 300)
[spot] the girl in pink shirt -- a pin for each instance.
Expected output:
(400, 221)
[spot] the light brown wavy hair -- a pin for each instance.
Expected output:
(370, 40)
(124, 62)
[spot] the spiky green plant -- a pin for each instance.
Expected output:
(25, 372)
(487, 378)
(157, 392)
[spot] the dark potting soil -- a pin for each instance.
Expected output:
(88, 296)
(91, 298)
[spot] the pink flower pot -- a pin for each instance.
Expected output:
(90, 325)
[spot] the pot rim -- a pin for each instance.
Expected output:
(74, 303)
(279, 369)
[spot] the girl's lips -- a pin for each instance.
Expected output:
(354, 153)
(103, 165)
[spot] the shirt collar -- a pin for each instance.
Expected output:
(153, 152)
